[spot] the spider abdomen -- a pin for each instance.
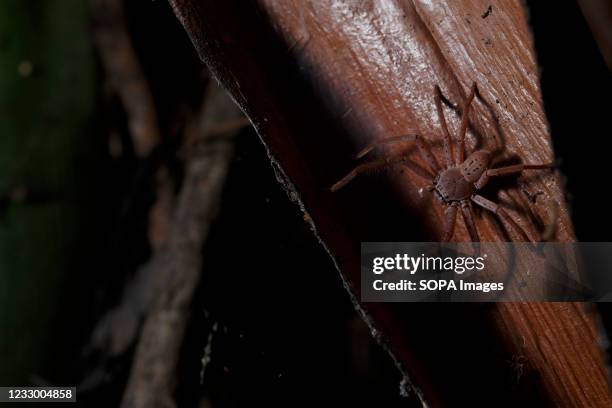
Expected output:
(452, 186)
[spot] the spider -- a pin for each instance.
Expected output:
(456, 185)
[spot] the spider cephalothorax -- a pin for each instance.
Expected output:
(456, 184)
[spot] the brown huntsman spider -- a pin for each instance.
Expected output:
(456, 185)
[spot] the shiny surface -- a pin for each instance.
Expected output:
(383, 59)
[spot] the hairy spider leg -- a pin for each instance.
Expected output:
(465, 119)
(497, 210)
(368, 167)
(468, 217)
(448, 143)
(449, 225)
(513, 169)
(421, 143)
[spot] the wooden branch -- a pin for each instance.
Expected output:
(153, 374)
(322, 79)
(125, 73)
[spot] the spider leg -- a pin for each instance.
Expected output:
(468, 217)
(496, 209)
(378, 143)
(550, 227)
(448, 144)
(449, 225)
(421, 143)
(369, 167)
(517, 168)
(513, 169)
(465, 122)
(373, 166)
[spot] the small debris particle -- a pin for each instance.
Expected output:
(25, 69)
(207, 355)
(347, 112)
(531, 197)
(405, 387)
(517, 363)
(488, 41)
(488, 12)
